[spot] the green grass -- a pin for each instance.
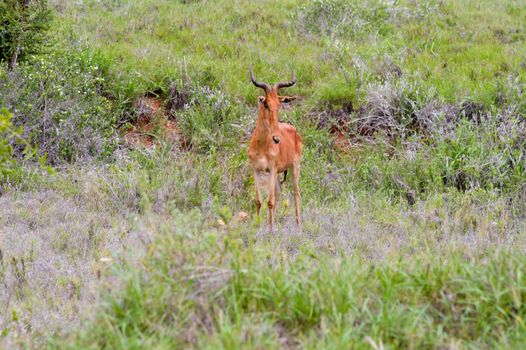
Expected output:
(436, 44)
(227, 289)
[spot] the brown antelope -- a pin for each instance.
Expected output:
(274, 148)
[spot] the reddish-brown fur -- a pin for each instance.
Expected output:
(274, 148)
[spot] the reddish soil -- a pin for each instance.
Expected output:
(341, 142)
(153, 125)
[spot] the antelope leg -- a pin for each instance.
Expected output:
(257, 183)
(296, 180)
(271, 195)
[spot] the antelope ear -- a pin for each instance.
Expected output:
(261, 99)
(287, 99)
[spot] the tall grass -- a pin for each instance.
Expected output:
(203, 287)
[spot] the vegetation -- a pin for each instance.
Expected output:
(5, 148)
(11, 138)
(22, 28)
(413, 177)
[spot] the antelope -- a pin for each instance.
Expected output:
(274, 148)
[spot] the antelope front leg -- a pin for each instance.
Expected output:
(257, 183)
(272, 195)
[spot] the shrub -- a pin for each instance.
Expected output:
(9, 136)
(23, 24)
(6, 151)
(58, 99)
(336, 17)
(467, 157)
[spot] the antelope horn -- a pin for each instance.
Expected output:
(264, 86)
(278, 86)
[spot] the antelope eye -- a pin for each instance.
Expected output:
(265, 104)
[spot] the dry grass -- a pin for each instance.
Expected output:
(63, 247)
(57, 250)
(438, 226)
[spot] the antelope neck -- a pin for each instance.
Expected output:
(267, 123)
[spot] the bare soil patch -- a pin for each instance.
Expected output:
(154, 125)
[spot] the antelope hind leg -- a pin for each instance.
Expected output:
(277, 192)
(271, 195)
(296, 180)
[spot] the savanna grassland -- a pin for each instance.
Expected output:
(120, 236)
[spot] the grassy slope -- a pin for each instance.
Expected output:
(367, 270)
(436, 43)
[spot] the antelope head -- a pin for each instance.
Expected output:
(271, 102)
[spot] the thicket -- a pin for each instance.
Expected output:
(58, 98)
(23, 26)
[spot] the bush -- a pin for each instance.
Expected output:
(58, 99)
(467, 158)
(23, 24)
(10, 135)
(6, 151)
